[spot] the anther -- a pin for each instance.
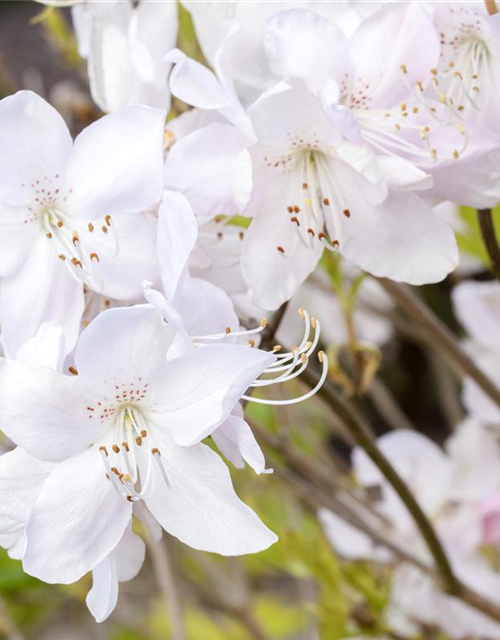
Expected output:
(289, 209)
(49, 235)
(276, 348)
(90, 227)
(104, 450)
(116, 448)
(404, 68)
(263, 323)
(155, 451)
(305, 185)
(75, 239)
(144, 433)
(59, 223)
(61, 256)
(326, 202)
(73, 371)
(295, 220)
(311, 232)
(296, 209)
(347, 213)
(115, 471)
(94, 256)
(105, 229)
(251, 343)
(138, 440)
(76, 262)
(108, 220)
(280, 249)
(125, 446)
(228, 330)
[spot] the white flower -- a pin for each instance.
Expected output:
(313, 189)
(125, 44)
(128, 428)
(71, 213)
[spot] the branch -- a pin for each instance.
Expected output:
(166, 581)
(273, 326)
(357, 427)
(487, 227)
(442, 338)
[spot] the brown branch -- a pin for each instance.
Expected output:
(357, 427)
(162, 566)
(487, 227)
(273, 326)
(442, 338)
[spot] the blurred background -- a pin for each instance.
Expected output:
(299, 589)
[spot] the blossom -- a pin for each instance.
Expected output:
(128, 428)
(124, 47)
(315, 190)
(71, 214)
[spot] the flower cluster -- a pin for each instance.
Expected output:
(137, 261)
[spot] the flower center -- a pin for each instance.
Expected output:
(315, 201)
(72, 239)
(129, 463)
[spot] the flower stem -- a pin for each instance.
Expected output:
(487, 227)
(441, 337)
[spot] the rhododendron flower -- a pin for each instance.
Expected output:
(127, 429)
(71, 214)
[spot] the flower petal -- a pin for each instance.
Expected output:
(197, 392)
(401, 239)
(238, 444)
(124, 343)
(45, 412)
(177, 233)
(212, 168)
(302, 44)
(21, 479)
(36, 145)
(102, 598)
(121, 276)
(42, 290)
(117, 164)
(200, 507)
(274, 261)
(76, 521)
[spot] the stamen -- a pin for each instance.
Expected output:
(322, 357)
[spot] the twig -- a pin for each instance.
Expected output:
(487, 227)
(387, 406)
(8, 628)
(273, 326)
(356, 425)
(446, 391)
(442, 338)
(166, 581)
